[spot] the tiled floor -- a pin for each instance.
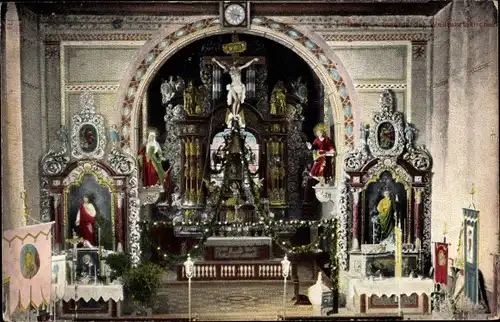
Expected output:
(229, 298)
(233, 300)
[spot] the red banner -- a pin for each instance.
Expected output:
(441, 263)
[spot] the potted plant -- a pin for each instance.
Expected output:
(119, 263)
(141, 284)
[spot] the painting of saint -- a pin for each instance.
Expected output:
(386, 136)
(30, 261)
(385, 214)
(470, 244)
(85, 221)
(387, 204)
(88, 138)
(90, 212)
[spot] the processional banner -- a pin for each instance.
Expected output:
(398, 254)
(471, 271)
(26, 261)
(441, 263)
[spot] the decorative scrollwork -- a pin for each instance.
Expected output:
(426, 244)
(134, 206)
(297, 152)
(45, 206)
(356, 159)
(389, 164)
(172, 146)
(87, 167)
(419, 158)
(150, 195)
(88, 133)
(57, 159)
(343, 210)
(380, 120)
(121, 162)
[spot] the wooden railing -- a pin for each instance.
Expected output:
(233, 270)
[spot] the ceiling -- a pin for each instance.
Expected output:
(261, 8)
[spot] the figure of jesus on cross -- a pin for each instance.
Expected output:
(236, 91)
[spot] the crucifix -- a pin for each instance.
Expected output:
(234, 65)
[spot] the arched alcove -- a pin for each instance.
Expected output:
(339, 89)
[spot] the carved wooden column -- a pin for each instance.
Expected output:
(119, 221)
(193, 170)
(355, 219)
(417, 212)
(58, 218)
(408, 233)
(276, 185)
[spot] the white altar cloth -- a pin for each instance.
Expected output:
(238, 241)
(95, 292)
(390, 286)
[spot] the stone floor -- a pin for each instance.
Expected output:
(254, 300)
(233, 300)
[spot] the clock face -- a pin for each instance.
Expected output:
(234, 14)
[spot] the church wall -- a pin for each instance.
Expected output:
(98, 67)
(31, 107)
(464, 131)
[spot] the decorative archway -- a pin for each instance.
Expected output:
(339, 89)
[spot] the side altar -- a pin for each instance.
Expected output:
(388, 185)
(89, 189)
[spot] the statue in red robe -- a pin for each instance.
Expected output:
(323, 151)
(150, 159)
(85, 221)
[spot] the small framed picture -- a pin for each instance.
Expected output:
(87, 264)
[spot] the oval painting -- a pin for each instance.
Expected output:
(386, 136)
(88, 138)
(30, 261)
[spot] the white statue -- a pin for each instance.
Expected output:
(236, 90)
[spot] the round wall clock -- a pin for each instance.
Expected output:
(235, 14)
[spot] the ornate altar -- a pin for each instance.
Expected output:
(197, 140)
(389, 179)
(90, 189)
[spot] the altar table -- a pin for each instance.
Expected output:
(381, 296)
(92, 300)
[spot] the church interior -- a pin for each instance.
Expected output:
(263, 160)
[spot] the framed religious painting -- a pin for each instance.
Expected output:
(90, 206)
(88, 131)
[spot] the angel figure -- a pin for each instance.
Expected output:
(321, 146)
(167, 89)
(114, 135)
